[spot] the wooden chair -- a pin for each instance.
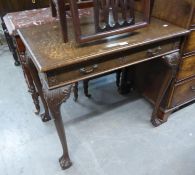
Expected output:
(60, 7)
(123, 21)
(117, 17)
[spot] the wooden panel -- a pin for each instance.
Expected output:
(148, 78)
(184, 92)
(190, 43)
(193, 19)
(108, 64)
(187, 68)
(174, 11)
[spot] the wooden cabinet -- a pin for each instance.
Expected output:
(187, 68)
(190, 43)
(184, 92)
(7, 6)
(184, 88)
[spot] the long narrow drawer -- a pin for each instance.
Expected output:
(109, 63)
(184, 92)
(190, 43)
(187, 68)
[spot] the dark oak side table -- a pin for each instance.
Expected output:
(56, 65)
(26, 19)
(16, 6)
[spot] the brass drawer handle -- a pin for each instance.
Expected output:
(123, 60)
(193, 88)
(33, 1)
(88, 70)
(154, 52)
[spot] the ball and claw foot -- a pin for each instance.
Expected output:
(65, 163)
(156, 122)
(45, 117)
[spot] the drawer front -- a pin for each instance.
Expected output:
(190, 43)
(108, 63)
(187, 68)
(184, 92)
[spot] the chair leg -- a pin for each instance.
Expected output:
(86, 85)
(10, 43)
(62, 16)
(118, 77)
(75, 90)
(172, 62)
(53, 9)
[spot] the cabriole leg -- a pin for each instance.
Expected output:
(30, 84)
(54, 100)
(171, 62)
(33, 71)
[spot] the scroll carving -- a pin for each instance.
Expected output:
(171, 62)
(56, 97)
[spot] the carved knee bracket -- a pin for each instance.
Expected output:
(56, 97)
(172, 62)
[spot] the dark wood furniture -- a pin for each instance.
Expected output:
(24, 19)
(16, 20)
(61, 9)
(109, 17)
(103, 23)
(117, 17)
(55, 65)
(10, 43)
(182, 88)
(8, 6)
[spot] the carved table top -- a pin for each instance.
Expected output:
(48, 51)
